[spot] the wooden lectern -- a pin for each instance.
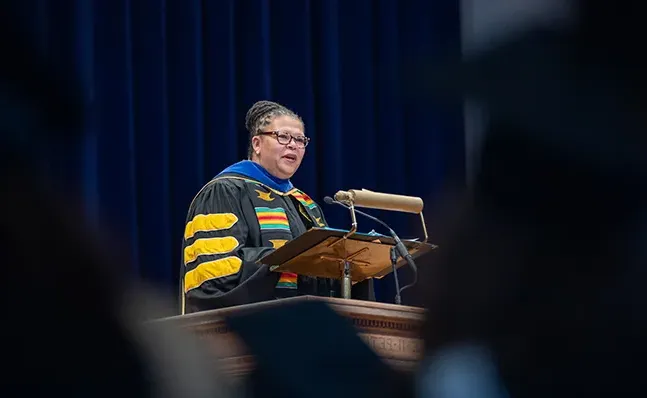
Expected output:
(349, 256)
(392, 331)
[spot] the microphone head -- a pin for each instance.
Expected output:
(328, 200)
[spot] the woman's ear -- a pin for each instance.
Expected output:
(256, 145)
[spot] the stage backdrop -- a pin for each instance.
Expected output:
(166, 86)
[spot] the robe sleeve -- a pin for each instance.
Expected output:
(220, 270)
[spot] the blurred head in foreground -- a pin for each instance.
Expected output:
(72, 323)
(538, 289)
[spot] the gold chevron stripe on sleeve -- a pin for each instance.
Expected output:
(208, 246)
(211, 270)
(209, 222)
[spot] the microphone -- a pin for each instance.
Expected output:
(399, 250)
(381, 201)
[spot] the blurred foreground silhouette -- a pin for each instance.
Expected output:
(72, 321)
(541, 270)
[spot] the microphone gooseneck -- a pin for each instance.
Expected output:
(330, 201)
(400, 249)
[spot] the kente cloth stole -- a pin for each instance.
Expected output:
(309, 208)
(274, 224)
(270, 206)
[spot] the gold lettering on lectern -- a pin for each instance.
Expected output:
(394, 347)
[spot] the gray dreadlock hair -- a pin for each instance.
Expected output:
(260, 115)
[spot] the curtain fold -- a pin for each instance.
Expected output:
(167, 83)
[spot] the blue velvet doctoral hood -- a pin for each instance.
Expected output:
(256, 172)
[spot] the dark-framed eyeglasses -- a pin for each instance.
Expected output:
(301, 141)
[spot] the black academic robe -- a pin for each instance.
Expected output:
(233, 222)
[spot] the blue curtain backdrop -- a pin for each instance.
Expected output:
(166, 85)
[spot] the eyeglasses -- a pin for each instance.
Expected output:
(284, 138)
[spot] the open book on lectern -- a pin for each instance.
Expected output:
(322, 252)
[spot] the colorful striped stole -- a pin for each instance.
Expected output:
(272, 219)
(277, 219)
(288, 280)
(304, 199)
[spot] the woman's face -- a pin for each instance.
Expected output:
(281, 159)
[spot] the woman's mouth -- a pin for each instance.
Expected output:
(290, 157)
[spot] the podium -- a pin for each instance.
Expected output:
(349, 256)
(392, 331)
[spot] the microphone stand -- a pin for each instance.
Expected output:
(399, 250)
(394, 261)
